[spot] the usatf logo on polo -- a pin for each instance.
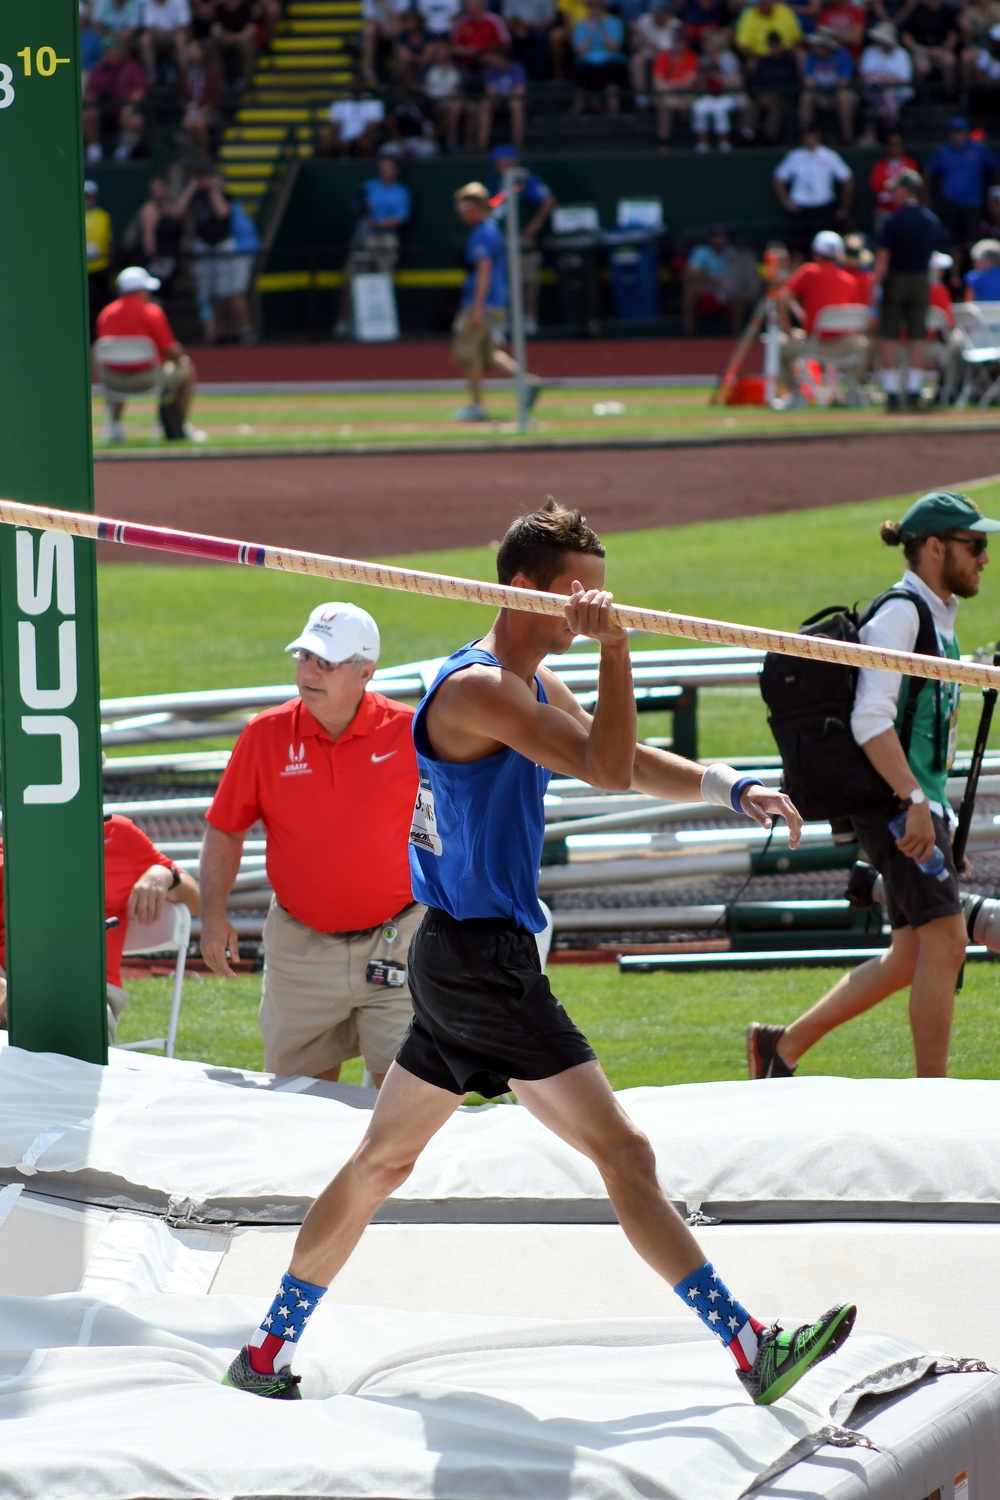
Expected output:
(297, 764)
(50, 580)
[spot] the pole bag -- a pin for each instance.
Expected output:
(825, 771)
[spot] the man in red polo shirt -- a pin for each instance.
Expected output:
(137, 881)
(476, 32)
(332, 775)
(131, 314)
(818, 283)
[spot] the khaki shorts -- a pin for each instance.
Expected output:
(905, 299)
(475, 347)
(317, 1009)
(123, 382)
(531, 266)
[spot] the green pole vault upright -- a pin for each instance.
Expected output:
(50, 762)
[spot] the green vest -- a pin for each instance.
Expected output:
(935, 724)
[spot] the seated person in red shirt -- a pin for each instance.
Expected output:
(111, 103)
(818, 283)
(137, 881)
(675, 77)
(131, 314)
(476, 32)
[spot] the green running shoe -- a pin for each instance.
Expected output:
(281, 1386)
(783, 1356)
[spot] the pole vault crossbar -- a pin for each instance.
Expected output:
(498, 595)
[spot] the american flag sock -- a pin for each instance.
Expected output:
(718, 1309)
(284, 1323)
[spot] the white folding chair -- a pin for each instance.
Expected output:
(171, 934)
(979, 350)
(133, 349)
(851, 318)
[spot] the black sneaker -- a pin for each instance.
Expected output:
(763, 1058)
(281, 1386)
(783, 1357)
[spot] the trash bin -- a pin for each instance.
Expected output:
(634, 260)
(578, 280)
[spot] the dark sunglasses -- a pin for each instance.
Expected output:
(977, 545)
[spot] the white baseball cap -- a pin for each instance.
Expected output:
(338, 631)
(941, 262)
(829, 243)
(136, 279)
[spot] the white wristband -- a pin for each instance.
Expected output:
(717, 784)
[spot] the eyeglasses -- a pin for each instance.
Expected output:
(304, 657)
(977, 545)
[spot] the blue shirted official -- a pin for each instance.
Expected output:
(485, 242)
(385, 201)
(478, 851)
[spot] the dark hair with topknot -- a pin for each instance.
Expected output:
(537, 545)
(891, 533)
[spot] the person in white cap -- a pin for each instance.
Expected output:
(818, 283)
(133, 313)
(332, 776)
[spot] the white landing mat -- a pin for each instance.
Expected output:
(124, 1401)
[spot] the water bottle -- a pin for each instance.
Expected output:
(935, 865)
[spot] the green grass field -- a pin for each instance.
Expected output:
(324, 421)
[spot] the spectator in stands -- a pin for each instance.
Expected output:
(708, 287)
(701, 17)
(234, 31)
(774, 80)
(886, 72)
(443, 89)
(826, 83)
(385, 207)
(112, 104)
(846, 20)
(161, 227)
(961, 173)
(138, 879)
(119, 18)
(598, 45)
(530, 24)
(100, 248)
(816, 284)
(354, 124)
(651, 34)
(857, 262)
(165, 30)
(985, 69)
(131, 314)
(718, 92)
(439, 16)
(334, 764)
(414, 50)
(815, 187)
(505, 85)
(569, 13)
(931, 36)
(91, 45)
(477, 31)
(675, 77)
(200, 96)
(943, 348)
(756, 23)
(807, 14)
(535, 204)
(982, 283)
(202, 19)
(940, 297)
(976, 19)
(884, 173)
(410, 127)
(483, 308)
(381, 26)
(908, 239)
(218, 272)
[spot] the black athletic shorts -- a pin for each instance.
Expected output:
(912, 899)
(483, 1012)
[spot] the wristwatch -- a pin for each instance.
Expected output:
(917, 798)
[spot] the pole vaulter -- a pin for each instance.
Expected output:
(501, 596)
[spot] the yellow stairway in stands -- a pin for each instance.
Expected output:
(306, 65)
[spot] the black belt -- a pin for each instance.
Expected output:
(359, 932)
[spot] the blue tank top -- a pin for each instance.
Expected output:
(478, 828)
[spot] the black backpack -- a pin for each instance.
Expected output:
(826, 773)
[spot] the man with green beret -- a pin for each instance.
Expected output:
(944, 539)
